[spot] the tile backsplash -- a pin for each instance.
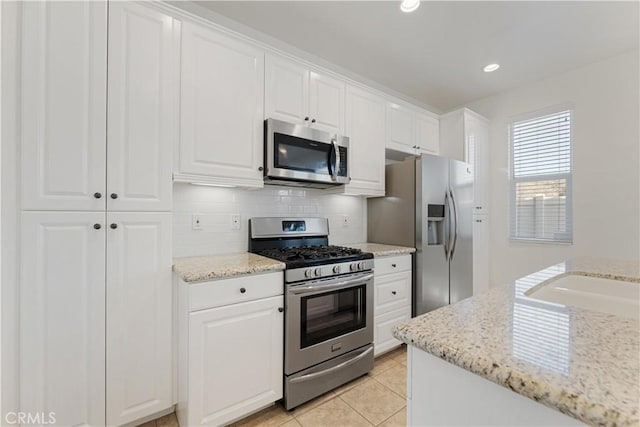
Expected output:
(216, 206)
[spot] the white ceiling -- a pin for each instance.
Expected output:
(436, 54)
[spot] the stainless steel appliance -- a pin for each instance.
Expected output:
(303, 156)
(328, 305)
(428, 205)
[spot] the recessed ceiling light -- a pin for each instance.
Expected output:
(491, 67)
(409, 5)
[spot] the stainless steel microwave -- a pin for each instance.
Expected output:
(303, 156)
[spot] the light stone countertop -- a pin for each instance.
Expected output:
(587, 365)
(197, 269)
(378, 249)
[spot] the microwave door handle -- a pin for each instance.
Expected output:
(336, 165)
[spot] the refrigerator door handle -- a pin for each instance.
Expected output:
(455, 227)
(447, 239)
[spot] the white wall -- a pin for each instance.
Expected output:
(218, 204)
(606, 160)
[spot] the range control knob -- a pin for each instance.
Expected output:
(361, 266)
(354, 266)
(308, 273)
(336, 269)
(318, 272)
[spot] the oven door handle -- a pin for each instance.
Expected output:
(315, 288)
(309, 377)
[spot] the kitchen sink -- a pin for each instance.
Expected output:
(594, 293)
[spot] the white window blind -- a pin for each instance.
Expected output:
(541, 178)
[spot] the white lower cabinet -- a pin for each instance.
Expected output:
(139, 318)
(231, 356)
(62, 316)
(95, 331)
(480, 253)
(392, 299)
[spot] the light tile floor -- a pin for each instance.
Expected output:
(376, 399)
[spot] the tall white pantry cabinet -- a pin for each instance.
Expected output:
(95, 238)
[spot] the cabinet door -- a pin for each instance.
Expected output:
(476, 147)
(286, 90)
(62, 312)
(64, 83)
(383, 339)
(326, 97)
(222, 92)
(143, 115)
(365, 127)
(480, 254)
(427, 133)
(392, 291)
(400, 128)
(235, 360)
(139, 366)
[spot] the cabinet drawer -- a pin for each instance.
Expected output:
(392, 264)
(392, 291)
(221, 292)
(383, 330)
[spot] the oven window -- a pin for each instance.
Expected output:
(332, 314)
(301, 154)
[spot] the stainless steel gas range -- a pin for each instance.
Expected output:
(328, 305)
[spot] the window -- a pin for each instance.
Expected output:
(541, 178)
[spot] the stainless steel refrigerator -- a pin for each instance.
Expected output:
(428, 205)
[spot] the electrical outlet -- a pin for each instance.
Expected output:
(196, 222)
(235, 222)
(345, 220)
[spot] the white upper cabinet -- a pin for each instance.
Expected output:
(326, 98)
(286, 90)
(365, 126)
(64, 84)
(222, 93)
(427, 133)
(139, 315)
(62, 316)
(144, 54)
(477, 153)
(297, 95)
(411, 131)
(400, 127)
(465, 136)
(65, 161)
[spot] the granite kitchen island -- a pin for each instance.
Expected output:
(507, 358)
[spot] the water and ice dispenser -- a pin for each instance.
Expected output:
(435, 224)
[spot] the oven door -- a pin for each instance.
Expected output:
(299, 153)
(326, 318)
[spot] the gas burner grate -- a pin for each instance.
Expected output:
(311, 253)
